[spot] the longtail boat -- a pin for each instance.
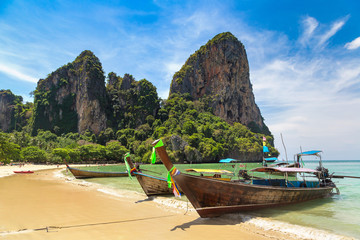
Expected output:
(79, 173)
(152, 185)
(213, 197)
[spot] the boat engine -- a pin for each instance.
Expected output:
(324, 177)
(244, 174)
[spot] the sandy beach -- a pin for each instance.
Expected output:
(48, 205)
(9, 170)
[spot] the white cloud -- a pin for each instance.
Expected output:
(164, 94)
(305, 97)
(336, 26)
(15, 73)
(317, 34)
(347, 76)
(309, 25)
(171, 68)
(353, 44)
(314, 106)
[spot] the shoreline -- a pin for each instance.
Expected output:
(8, 170)
(109, 209)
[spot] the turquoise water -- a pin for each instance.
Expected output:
(339, 214)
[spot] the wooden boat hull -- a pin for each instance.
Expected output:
(153, 185)
(79, 174)
(22, 172)
(211, 197)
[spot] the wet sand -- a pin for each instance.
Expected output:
(43, 206)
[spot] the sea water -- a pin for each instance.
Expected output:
(339, 214)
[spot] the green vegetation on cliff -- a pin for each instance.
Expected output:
(55, 103)
(131, 102)
(188, 66)
(189, 129)
(192, 133)
(17, 111)
(135, 115)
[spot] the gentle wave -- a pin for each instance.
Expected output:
(292, 230)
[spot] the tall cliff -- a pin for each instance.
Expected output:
(73, 98)
(13, 113)
(132, 102)
(220, 70)
(7, 105)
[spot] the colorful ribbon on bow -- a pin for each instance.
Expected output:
(173, 171)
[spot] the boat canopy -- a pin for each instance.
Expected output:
(284, 170)
(280, 164)
(309, 153)
(211, 171)
(228, 160)
(271, 159)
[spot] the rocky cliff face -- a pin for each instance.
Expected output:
(73, 98)
(7, 102)
(220, 70)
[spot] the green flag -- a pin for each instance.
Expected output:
(159, 144)
(127, 165)
(153, 156)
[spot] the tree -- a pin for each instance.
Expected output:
(33, 154)
(189, 128)
(8, 150)
(63, 153)
(92, 152)
(115, 151)
(21, 138)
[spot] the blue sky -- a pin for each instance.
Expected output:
(304, 56)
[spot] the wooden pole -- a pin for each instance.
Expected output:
(128, 160)
(161, 151)
(282, 140)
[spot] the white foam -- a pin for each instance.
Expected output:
(5, 175)
(290, 230)
(110, 192)
(174, 203)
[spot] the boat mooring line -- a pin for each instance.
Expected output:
(49, 228)
(187, 206)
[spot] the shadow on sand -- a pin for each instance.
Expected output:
(238, 218)
(148, 199)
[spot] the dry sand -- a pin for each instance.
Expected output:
(9, 170)
(43, 206)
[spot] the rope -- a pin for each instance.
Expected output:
(47, 228)
(145, 170)
(187, 206)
